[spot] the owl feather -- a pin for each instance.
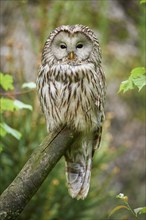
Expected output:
(71, 89)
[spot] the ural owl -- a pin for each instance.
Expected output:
(71, 88)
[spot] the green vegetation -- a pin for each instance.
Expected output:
(7, 104)
(118, 165)
(135, 212)
(136, 79)
(142, 1)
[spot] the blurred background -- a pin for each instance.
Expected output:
(119, 164)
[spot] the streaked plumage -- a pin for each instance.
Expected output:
(71, 88)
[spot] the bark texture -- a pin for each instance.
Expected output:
(14, 199)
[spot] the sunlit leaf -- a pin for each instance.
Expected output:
(143, 210)
(126, 85)
(30, 85)
(137, 78)
(20, 105)
(11, 105)
(140, 210)
(2, 130)
(118, 208)
(140, 82)
(142, 1)
(6, 81)
(7, 104)
(10, 130)
(137, 72)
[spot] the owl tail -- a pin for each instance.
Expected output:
(78, 170)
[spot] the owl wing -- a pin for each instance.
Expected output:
(96, 138)
(99, 105)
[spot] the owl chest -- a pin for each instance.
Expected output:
(71, 95)
(74, 103)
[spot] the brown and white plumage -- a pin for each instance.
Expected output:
(71, 88)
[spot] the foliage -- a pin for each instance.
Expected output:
(136, 79)
(5, 129)
(135, 212)
(7, 104)
(6, 81)
(30, 85)
(142, 1)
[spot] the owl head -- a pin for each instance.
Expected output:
(71, 44)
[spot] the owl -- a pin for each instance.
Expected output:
(71, 89)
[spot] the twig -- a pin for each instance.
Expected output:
(13, 94)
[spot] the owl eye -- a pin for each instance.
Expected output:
(63, 46)
(79, 46)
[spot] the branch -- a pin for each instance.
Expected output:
(13, 94)
(14, 199)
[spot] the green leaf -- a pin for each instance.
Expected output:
(11, 105)
(140, 82)
(137, 72)
(137, 78)
(142, 1)
(143, 210)
(2, 130)
(20, 105)
(30, 85)
(126, 85)
(140, 210)
(10, 130)
(6, 81)
(7, 104)
(118, 208)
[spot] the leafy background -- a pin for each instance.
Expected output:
(118, 165)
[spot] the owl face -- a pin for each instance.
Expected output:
(71, 46)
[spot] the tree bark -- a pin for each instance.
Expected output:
(27, 182)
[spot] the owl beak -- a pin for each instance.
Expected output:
(71, 55)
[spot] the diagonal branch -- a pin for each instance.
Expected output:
(41, 162)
